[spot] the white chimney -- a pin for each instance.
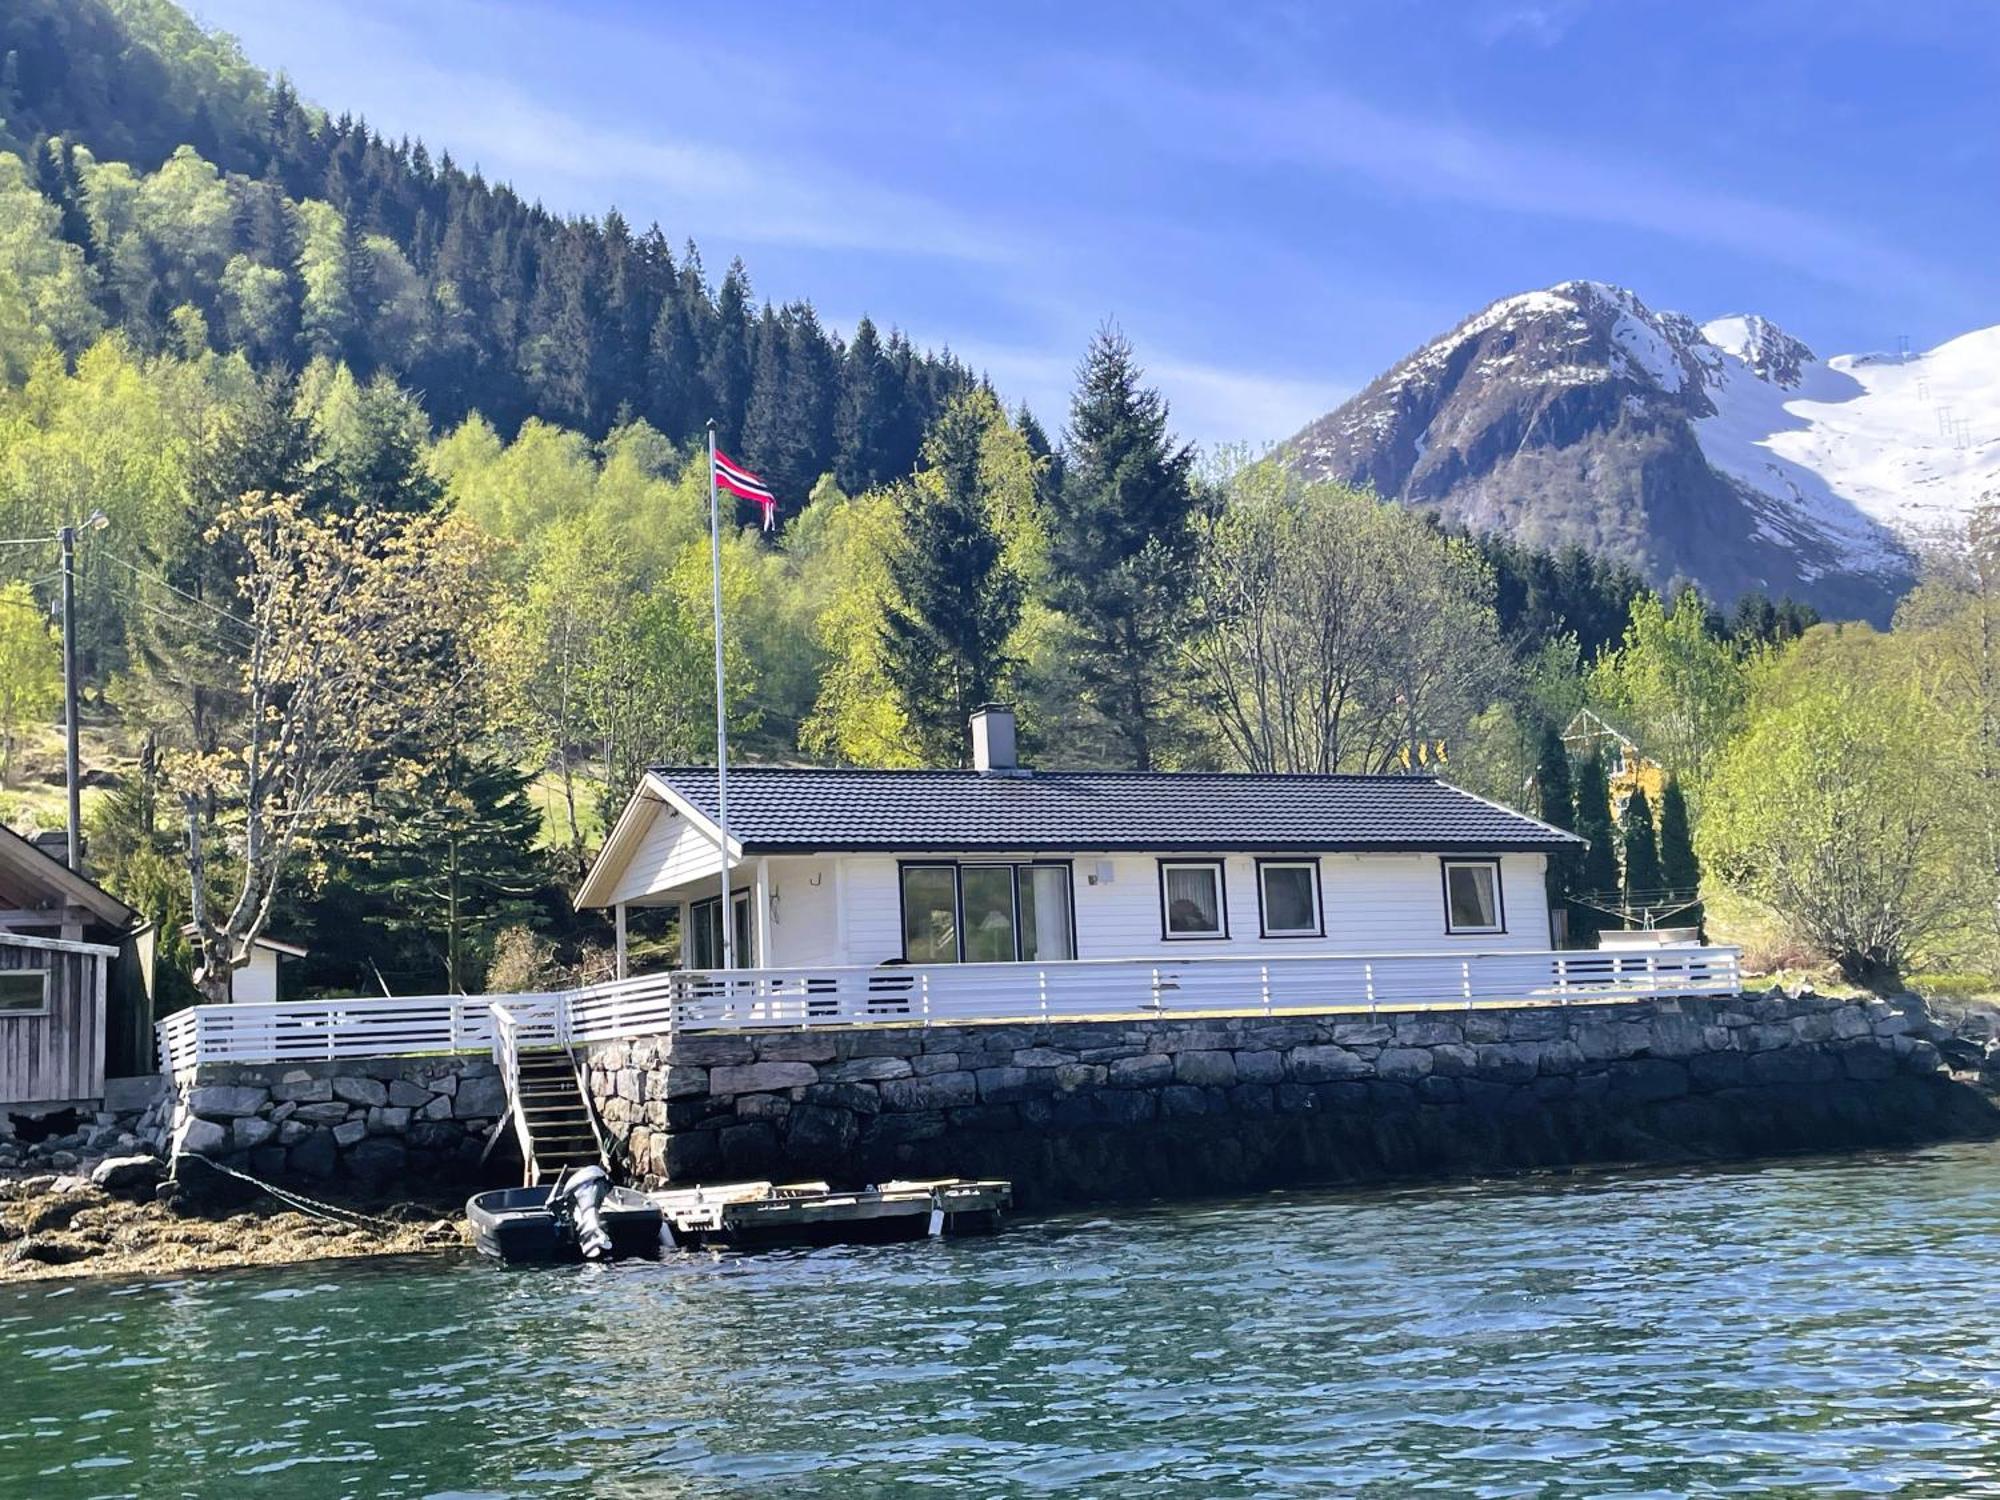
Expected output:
(993, 738)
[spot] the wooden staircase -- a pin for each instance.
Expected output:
(556, 1125)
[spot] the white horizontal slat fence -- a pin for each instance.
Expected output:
(940, 994)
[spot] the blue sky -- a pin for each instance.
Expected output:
(1273, 201)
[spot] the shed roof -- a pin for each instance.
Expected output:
(31, 878)
(773, 809)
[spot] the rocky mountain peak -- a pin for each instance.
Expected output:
(1762, 345)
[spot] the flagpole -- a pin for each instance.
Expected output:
(726, 908)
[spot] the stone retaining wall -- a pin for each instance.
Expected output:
(373, 1122)
(1094, 1110)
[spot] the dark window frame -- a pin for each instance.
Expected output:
(1318, 929)
(957, 868)
(1445, 864)
(748, 896)
(1167, 934)
(42, 972)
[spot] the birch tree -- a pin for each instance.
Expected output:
(1338, 633)
(353, 634)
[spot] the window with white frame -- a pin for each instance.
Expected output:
(1191, 899)
(1472, 896)
(1288, 898)
(23, 991)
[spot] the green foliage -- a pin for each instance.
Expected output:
(1680, 870)
(1338, 633)
(1121, 550)
(954, 601)
(1641, 839)
(1673, 685)
(45, 285)
(1597, 874)
(30, 669)
(1830, 808)
(418, 890)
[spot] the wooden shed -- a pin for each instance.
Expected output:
(52, 1019)
(75, 982)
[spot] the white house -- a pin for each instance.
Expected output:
(1002, 864)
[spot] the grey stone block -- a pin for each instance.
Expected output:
(301, 1087)
(866, 1070)
(758, 1077)
(1323, 1064)
(938, 1091)
(227, 1101)
(404, 1094)
(1403, 1064)
(350, 1133)
(248, 1132)
(1207, 1069)
(480, 1098)
(364, 1091)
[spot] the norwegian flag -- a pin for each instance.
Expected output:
(737, 480)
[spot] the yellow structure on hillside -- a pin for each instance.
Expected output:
(1626, 767)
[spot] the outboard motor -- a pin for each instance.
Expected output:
(577, 1199)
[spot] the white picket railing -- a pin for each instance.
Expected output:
(325, 1030)
(943, 994)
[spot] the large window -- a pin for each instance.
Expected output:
(986, 913)
(705, 933)
(1191, 903)
(1288, 898)
(1472, 896)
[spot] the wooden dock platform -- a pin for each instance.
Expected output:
(747, 1215)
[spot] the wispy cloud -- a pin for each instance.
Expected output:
(1209, 404)
(1328, 131)
(577, 164)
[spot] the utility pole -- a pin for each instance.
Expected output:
(71, 757)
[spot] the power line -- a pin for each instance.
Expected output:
(195, 599)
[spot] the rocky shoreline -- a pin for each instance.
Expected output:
(127, 1219)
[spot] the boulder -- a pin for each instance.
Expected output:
(759, 1077)
(939, 1091)
(377, 1161)
(1326, 1064)
(1207, 1069)
(351, 1133)
(132, 1177)
(1403, 1064)
(1148, 1070)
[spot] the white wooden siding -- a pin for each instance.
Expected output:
(672, 852)
(1379, 903)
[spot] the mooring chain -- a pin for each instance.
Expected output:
(333, 1213)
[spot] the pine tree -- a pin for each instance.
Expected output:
(726, 371)
(954, 602)
(1597, 866)
(1555, 803)
(1680, 870)
(1120, 547)
(1642, 852)
(864, 414)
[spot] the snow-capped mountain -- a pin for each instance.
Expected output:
(1726, 453)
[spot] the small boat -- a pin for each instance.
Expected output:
(580, 1216)
(755, 1215)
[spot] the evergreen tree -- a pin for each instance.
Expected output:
(1555, 803)
(866, 411)
(1121, 546)
(1642, 851)
(953, 601)
(1597, 872)
(726, 371)
(1680, 870)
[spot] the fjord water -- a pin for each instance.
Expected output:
(1808, 1327)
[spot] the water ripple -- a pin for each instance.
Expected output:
(1813, 1327)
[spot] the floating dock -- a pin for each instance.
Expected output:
(749, 1215)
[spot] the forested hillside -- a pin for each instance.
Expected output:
(212, 206)
(404, 571)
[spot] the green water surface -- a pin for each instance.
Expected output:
(1814, 1327)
